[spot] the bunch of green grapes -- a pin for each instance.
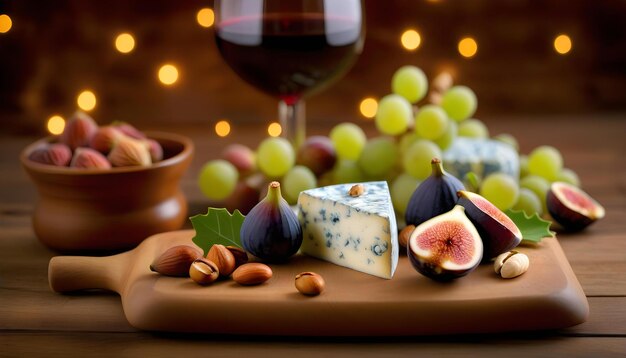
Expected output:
(416, 123)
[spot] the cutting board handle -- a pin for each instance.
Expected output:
(73, 273)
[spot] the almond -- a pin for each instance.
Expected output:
(252, 274)
(176, 260)
(223, 259)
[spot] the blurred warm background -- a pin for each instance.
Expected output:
(521, 57)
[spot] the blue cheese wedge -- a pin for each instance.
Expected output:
(481, 156)
(358, 232)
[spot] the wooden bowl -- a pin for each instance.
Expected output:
(109, 209)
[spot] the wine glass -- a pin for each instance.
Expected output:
(289, 49)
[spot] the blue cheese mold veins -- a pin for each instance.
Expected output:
(356, 232)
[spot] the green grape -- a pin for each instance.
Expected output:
(347, 171)
(393, 115)
(217, 179)
(275, 156)
(523, 166)
(508, 139)
(410, 82)
(378, 157)
(537, 185)
(417, 158)
(473, 128)
(459, 102)
(406, 140)
(569, 176)
(401, 190)
(528, 202)
(298, 179)
(449, 136)
(500, 189)
(348, 140)
(545, 161)
(431, 122)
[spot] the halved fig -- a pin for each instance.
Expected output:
(571, 207)
(498, 232)
(445, 247)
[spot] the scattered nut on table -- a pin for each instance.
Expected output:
(204, 271)
(310, 283)
(176, 260)
(253, 273)
(511, 264)
(223, 259)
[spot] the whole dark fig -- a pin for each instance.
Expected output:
(434, 196)
(571, 207)
(498, 232)
(445, 247)
(271, 230)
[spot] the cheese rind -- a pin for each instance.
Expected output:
(356, 232)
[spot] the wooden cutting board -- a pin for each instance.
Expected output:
(548, 296)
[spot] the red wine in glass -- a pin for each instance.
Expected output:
(290, 53)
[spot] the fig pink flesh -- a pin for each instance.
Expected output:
(577, 198)
(485, 206)
(448, 240)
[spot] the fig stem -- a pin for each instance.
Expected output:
(273, 193)
(437, 167)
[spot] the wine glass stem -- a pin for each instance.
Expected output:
(293, 122)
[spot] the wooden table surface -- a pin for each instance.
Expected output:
(34, 320)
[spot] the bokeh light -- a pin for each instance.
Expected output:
(563, 44)
(168, 74)
(86, 100)
(222, 128)
(5, 23)
(274, 129)
(411, 40)
(125, 42)
(368, 107)
(56, 124)
(205, 17)
(468, 47)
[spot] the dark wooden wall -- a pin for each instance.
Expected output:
(55, 49)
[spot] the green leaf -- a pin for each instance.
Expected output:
(533, 227)
(472, 182)
(217, 226)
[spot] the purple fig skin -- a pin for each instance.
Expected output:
(271, 230)
(317, 154)
(436, 272)
(430, 266)
(497, 238)
(434, 196)
(57, 154)
(570, 219)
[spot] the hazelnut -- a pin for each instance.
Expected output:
(79, 130)
(240, 255)
(511, 264)
(310, 283)
(176, 260)
(405, 234)
(223, 259)
(252, 274)
(357, 190)
(88, 158)
(54, 154)
(203, 271)
(129, 152)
